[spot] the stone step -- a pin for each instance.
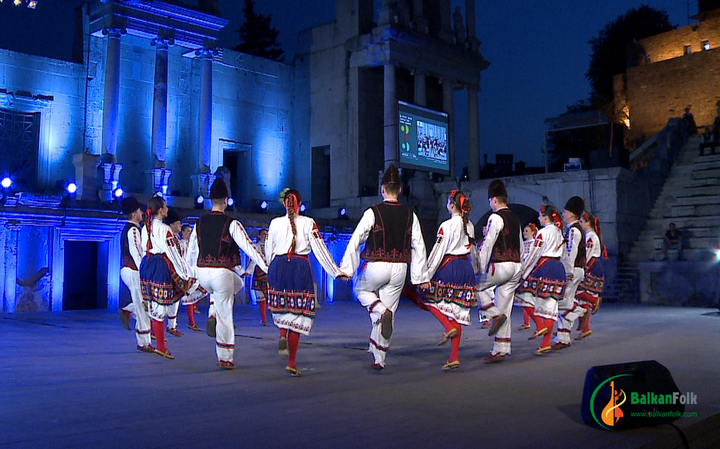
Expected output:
(690, 254)
(703, 189)
(709, 158)
(657, 224)
(706, 173)
(699, 199)
(689, 243)
(682, 211)
(694, 165)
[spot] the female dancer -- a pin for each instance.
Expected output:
(291, 293)
(525, 300)
(164, 274)
(259, 278)
(588, 294)
(544, 274)
(452, 291)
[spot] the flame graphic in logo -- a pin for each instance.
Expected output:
(612, 412)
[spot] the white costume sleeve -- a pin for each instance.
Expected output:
(494, 226)
(351, 259)
(321, 252)
(533, 256)
(135, 245)
(474, 254)
(270, 245)
(237, 232)
(418, 260)
(172, 251)
(193, 251)
(439, 250)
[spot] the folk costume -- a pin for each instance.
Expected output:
(544, 275)
(132, 254)
(393, 239)
(590, 289)
(574, 260)
(450, 263)
(259, 281)
(499, 268)
(525, 300)
(214, 248)
(291, 292)
(164, 276)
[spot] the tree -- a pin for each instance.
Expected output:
(257, 36)
(609, 49)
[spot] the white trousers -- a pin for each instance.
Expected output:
(131, 279)
(378, 289)
(569, 311)
(504, 277)
(222, 284)
(172, 315)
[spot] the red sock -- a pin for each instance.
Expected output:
(550, 324)
(283, 333)
(442, 318)
(191, 314)
(539, 323)
(263, 310)
(293, 341)
(158, 328)
(586, 318)
(526, 316)
(455, 342)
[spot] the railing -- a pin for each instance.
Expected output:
(642, 156)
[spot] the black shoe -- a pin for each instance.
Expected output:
(376, 367)
(210, 328)
(497, 321)
(386, 324)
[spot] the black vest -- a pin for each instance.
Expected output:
(507, 246)
(217, 247)
(127, 260)
(582, 250)
(390, 240)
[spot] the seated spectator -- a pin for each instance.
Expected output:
(672, 239)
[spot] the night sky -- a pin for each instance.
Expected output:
(538, 50)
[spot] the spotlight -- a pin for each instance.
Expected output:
(717, 255)
(71, 188)
(6, 183)
(303, 208)
(32, 4)
(17, 2)
(158, 194)
(118, 193)
(342, 212)
(199, 201)
(264, 205)
(231, 202)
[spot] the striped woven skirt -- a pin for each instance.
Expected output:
(591, 286)
(546, 283)
(291, 293)
(159, 282)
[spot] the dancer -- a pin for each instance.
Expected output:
(291, 292)
(173, 221)
(259, 280)
(214, 249)
(589, 291)
(132, 254)
(393, 239)
(544, 274)
(525, 300)
(574, 261)
(500, 268)
(452, 291)
(185, 232)
(164, 275)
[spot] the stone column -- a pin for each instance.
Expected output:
(421, 24)
(387, 13)
(86, 166)
(420, 90)
(446, 29)
(472, 40)
(473, 135)
(110, 169)
(391, 114)
(206, 93)
(449, 108)
(11, 260)
(159, 175)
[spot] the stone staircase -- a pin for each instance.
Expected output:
(690, 198)
(625, 287)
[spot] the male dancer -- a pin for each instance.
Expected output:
(574, 262)
(132, 254)
(259, 279)
(499, 268)
(215, 245)
(393, 239)
(174, 221)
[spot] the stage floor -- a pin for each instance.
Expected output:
(75, 379)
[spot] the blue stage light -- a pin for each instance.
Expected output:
(71, 188)
(342, 212)
(303, 208)
(231, 202)
(6, 183)
(264, 205)
(118, 193)
(199, 199)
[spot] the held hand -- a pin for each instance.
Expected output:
(344, 277)
(570, 277)
(425, 286)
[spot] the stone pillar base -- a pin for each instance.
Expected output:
(86, 173)
(158, 180)
(110, 172)
(201, 184)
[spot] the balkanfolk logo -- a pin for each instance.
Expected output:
(612, 411)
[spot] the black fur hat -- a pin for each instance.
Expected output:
(129, 205)
(576, 205)
(391, 176)
(497, 188)
(172, 217)
(218, 189)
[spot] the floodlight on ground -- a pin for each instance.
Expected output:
(118, 193)
(6, 183)
(71, 188)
